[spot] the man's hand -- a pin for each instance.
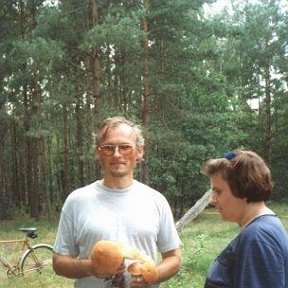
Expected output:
(138, 282)
(101, 275)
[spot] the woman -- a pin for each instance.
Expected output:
(258, 256)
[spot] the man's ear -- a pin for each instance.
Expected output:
(97, 156)
(140, 153)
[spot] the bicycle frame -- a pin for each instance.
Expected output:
(30, 258)
(14, 269)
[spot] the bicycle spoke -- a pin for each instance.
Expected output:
(38, 260)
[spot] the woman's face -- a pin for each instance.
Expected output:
(230, 207)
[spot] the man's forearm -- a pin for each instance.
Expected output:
(170, 265)
(71, 267)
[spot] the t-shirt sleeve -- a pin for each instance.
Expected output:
(64, 243)
(168, 238)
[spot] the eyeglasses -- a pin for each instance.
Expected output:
(109, 150)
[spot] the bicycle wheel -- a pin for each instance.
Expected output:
(38, 259)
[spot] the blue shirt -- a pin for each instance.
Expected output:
(256, 258)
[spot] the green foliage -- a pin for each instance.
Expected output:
(117, 30)
(68, 65)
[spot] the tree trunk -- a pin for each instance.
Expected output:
(35, 193)
(145, 103)
(28, 154)
(79, 142)
(64, 172)
(45, 178)
(5, 199)
(268, 132)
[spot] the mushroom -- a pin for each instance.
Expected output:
(108, 256)
(147, 270)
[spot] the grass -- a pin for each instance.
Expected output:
(46, 234)
(202, 240)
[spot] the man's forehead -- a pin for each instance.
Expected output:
(121, 129)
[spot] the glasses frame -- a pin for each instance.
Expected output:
(123, 149)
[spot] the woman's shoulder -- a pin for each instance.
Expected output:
(265, 229)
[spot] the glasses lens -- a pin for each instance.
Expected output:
(125, 149)
(109, 150)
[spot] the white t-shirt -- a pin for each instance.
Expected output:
(138, 216)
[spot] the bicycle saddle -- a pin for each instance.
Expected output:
(30, 232)
(30, 229)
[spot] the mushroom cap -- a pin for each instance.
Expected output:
(147, 270)
(107, 256)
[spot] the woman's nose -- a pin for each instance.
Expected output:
(213, 199)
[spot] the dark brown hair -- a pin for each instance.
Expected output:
(246, 173)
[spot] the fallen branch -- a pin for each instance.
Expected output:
(194, 211)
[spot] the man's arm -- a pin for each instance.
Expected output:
(170, 265)
(71, 267)
(75, 268)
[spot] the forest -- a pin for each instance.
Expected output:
(199, 83)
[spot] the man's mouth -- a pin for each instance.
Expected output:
(118, 163)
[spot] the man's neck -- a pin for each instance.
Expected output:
(117, 182)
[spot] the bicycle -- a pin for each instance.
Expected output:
(35, 258)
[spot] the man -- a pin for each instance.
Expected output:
(116, 208)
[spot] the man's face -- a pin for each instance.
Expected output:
(120, 163)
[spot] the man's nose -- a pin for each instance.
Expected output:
(116, 151)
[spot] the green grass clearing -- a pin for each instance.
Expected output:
(202, 240)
